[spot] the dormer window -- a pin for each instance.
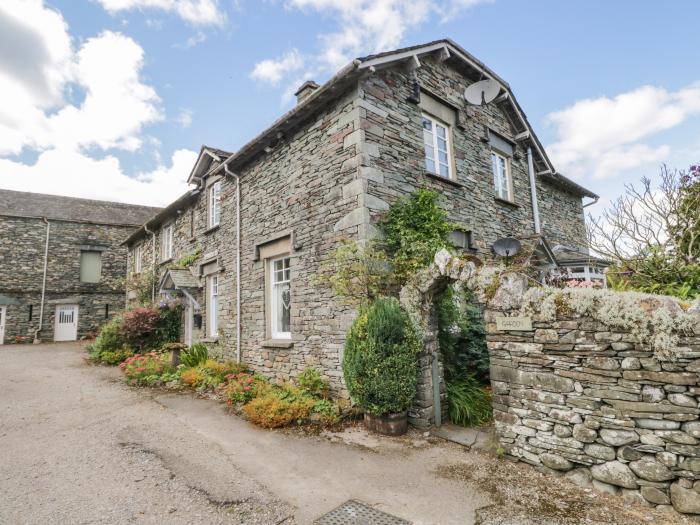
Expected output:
(214, 204)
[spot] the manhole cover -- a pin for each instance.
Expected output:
(355, 513)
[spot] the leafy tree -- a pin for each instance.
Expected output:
(652, 235)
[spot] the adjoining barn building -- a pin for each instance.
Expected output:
(62, 264)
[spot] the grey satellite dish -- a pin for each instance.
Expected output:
(506, 247)
(482, 92)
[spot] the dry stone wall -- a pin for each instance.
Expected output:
(614, 408)
(577, 396)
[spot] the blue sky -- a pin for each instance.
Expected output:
(113, 98)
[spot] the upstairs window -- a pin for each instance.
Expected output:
(90, 266)
(436, 141)
(138, 258)
(502, 182)
(214, 204)
(166, 243)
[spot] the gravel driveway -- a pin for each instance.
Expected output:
(79, 446)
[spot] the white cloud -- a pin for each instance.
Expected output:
(272, 71)
(67, 172)
(604, 136)
(184, 118)
(196, 12)
(364, 26)
(73, 106)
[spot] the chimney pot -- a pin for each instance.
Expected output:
(306, 89)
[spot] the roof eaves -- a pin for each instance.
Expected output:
(160, 217)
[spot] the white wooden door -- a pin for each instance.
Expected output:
(66, 322)
(3, 314)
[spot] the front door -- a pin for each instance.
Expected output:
(189, 322)
(3, 314)
(66, 322)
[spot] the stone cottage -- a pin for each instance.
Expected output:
(62, 264)
(252, 236)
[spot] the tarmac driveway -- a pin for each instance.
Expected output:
(79, 446)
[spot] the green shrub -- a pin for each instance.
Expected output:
(462, 335)
(415, 228)
(469, 404)
(195, 355)
(327, 411)
(146, 368)
(380, 362)
(312, 384)
(242, 387)
(110, 338)
(115, 357)
(210, 374)
(279, 407)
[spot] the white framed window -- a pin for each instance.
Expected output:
(280, 298)
(138, 258)
(90, 266)
(166, 243)
(436, 141)
(213, 306)
(214, 204)
(502, 182)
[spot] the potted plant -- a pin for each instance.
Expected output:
(380, 365)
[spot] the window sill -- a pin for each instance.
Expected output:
(212, 229)
(445, 180)
(166, 261)
(278, 343)
(506, 202)
(210, 340)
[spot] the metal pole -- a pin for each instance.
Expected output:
(43, 283)
(436, 390)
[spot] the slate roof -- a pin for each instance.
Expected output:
(181, 278)
(37, 205)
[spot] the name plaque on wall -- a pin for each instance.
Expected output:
(522, 324)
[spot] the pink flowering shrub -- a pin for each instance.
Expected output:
(576, 283)
(145, 368)
(242, 387)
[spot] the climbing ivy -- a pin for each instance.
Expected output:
(415, 228)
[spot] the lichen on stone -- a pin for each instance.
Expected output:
(656, 322)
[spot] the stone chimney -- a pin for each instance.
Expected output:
(306, 89)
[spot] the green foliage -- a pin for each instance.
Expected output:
(359, 273)
(469, 404)
(189, 259)
(146, 369)
(279, 407)
(415, 229)
(462, 335)
(115, 357)
(311, 383)
(241, 388)
(195, 355)
(658, 274)
(380, 361)
(210, 374)
(143, 284)
(327, 411)
(110, 338)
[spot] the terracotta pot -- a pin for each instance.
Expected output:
(388, 424)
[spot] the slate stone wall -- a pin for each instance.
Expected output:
(392, 137)
(575, 396)
(304, 187)
(22, 244)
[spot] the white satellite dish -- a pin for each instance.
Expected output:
(482, 92)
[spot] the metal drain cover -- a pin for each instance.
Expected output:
(356, 513)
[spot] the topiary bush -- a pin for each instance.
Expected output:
(381, 358)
